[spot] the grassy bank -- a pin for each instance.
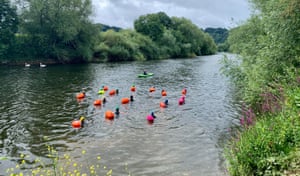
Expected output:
(269, 142)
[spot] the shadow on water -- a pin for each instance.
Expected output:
(38, 104)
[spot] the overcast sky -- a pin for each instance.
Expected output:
(203, 13)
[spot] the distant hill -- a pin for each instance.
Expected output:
(218, 34)
(104, 27)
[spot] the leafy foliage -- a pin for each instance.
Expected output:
(61, 27)
(267, 75)
(61, 30)
(219, 35)
(271, 146)
(269, 46)
(152, 25)
(176, 37)
(126, 45)
(8, 27)
(156, 36)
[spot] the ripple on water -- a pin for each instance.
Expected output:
(40, 104)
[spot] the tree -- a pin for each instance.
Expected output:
(175, 37)
(8, 27)
(152, 25)
(218, 34)
(269, 45)
(125, 45)
(60, 29)
(268, 72)
(192, 39)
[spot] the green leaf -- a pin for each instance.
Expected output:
(297, 98)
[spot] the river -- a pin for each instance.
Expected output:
(37, 106)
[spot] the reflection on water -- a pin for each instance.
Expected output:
(184, 140)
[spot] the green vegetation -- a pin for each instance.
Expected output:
(175, 37)
(8, 27)
(58, 29)
(105, 27)
(267, 77)
(61, 30)
(125, 45)
(220, 36)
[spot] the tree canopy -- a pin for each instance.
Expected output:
(61, 29)
(219, 35)
(269, 44)
(176, 37)
(126, 45)
(267, 74)
(8, 27)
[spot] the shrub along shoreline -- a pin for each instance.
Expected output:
(267, 76)
(269, 142)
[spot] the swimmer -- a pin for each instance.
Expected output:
(131, 98)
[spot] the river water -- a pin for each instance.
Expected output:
(37, 106)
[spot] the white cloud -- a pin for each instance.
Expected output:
(203, 13)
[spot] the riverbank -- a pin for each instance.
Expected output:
(36, 62)
(269, 142)
(21, 62)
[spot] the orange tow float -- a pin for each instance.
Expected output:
(152, 89)
(132, 88)
(125, 100)
(163, 93)
(109, 115)
(78, 123)
(105, 88)
(97, 102)
(183, 92)
(162, 105)
(112, 92)
(80, 95)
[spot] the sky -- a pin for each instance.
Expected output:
(203, 13)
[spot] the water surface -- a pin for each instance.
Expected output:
(184, 140)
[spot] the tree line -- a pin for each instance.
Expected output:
(266, 73)
(61, 30)
(220, 36)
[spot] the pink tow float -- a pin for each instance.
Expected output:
(181, 101)
(151, 117)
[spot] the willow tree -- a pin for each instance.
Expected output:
(152, 25)
(191, 38)
(8, 27)
(176, 37)
(125, 45)
(59, 29)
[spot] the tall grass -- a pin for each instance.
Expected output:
(271, 146)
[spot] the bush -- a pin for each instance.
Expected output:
(270, 146)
